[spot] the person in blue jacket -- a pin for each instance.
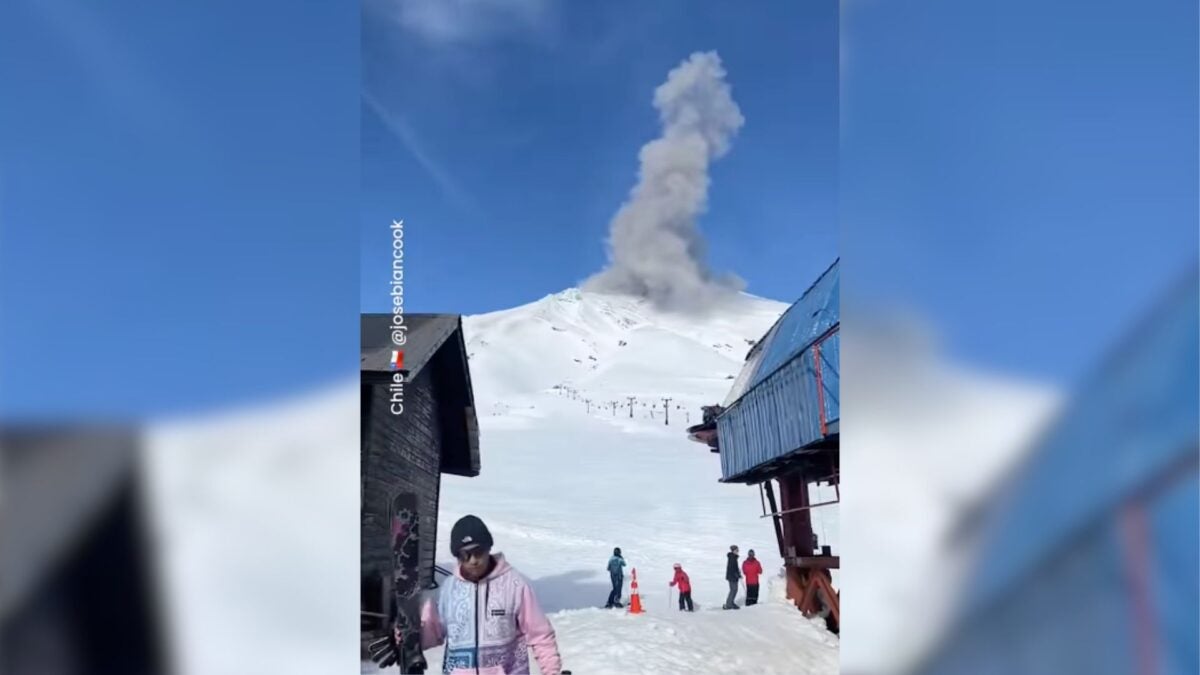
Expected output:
(616, 570)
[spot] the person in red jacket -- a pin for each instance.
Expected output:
(685, 588)
(751, 569)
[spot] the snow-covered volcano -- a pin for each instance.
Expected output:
(610, 346)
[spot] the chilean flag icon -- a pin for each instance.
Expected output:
(397, 359)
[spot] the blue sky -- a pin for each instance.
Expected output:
(176, 183)
(183, 206)
(508, 142)
(1023, 174)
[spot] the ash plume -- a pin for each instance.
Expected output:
(655, 249)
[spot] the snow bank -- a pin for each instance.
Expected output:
(765, 639)
(254, 514)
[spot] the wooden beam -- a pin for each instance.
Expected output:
(778, 528)
(826, 562)
(802, 508)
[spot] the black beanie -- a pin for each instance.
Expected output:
(469, 532)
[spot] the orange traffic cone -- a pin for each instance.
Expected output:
(635, 601)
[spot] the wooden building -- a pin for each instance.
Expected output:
(418, 422)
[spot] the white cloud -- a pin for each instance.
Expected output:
(458, 21)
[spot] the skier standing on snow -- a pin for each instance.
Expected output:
(616, 571)
(492, 617)
(733, 575)
(685, 588)
(752, 569)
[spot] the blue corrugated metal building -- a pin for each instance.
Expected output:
(1088, 558)
(785, 401)
(779, 426)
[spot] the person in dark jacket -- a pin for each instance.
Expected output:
(616, 571)
(733, 574)
(753, 570)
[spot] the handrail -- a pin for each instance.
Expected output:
(803, 508)
(438, 569)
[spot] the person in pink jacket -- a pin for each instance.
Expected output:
(486, 614)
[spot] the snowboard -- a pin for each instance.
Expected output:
(406, 585)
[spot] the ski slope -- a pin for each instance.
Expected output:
(563, 482)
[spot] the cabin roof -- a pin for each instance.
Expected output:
(432, 342)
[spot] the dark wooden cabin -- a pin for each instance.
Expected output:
(436, 432)
(78, 594)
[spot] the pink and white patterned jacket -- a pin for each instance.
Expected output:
(489, 627)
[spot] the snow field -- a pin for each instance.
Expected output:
(561, 486)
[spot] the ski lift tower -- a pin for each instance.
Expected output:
(779, 429)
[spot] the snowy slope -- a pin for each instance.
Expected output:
(561, 485)
(255, 514)
(770, 639)
(612, 346)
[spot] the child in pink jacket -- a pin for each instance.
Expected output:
(486, 614)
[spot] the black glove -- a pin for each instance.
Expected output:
(384, 651)
(387, 652)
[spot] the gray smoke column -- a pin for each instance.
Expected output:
(655, 249)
